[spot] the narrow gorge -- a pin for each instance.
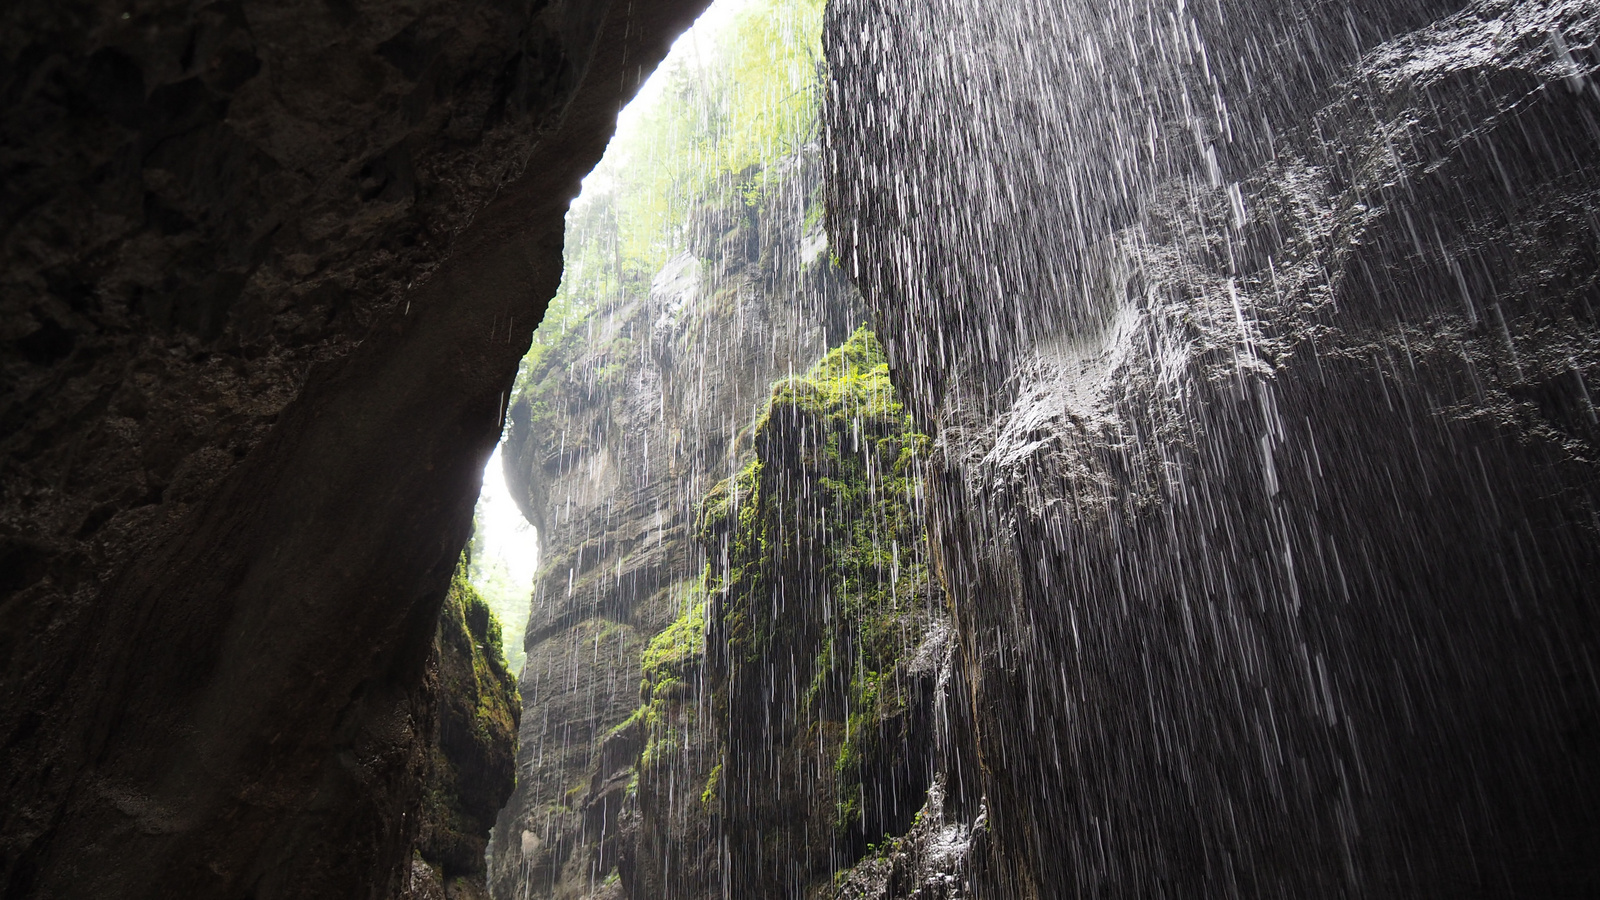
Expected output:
(1021, 451)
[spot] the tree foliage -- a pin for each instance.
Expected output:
(726, 104)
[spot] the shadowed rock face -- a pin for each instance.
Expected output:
(472, 766)
(267, 276)
(1268, 487)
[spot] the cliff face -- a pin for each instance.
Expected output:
(199, 206)
(472, 763)
(267, 276)
(1258, 358)
(793, 714)
(826, 631)
(621, 424)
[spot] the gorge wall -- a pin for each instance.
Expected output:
(268, 272)
(620, 427)
(1253, 553)
(1256, 343)
(827, 635)
(471, 767)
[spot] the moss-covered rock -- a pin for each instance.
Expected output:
(472, 761)
(631, 404)
(820, 592)
(674, 809)
(781, 728)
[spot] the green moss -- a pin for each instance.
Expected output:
(830, 510)
(478, 710)
(679, 649)
(670, 668)
(827, 515)
(714, 510)
(494, 687)
(711, 796)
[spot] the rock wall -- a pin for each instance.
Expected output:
(827, 631)
(619, 427)
(472, 760)
(788, 719)
(1256, 342)
(268, 272)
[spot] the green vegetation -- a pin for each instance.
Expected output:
(673, 655)
(478, 710)
(741, 99)
(829, 513)
(671, 666)
(713, 792)
(506, 599)
(469, 626)
(737, 102)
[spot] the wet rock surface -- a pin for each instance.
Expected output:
(1267, 501)
(1256, 347)
(932, 860)
(827, 634)
(622, 426)
(471, 767)
(267, 277)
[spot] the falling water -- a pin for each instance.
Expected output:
(1265, 475)
(1207, 509)
(697, 277)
